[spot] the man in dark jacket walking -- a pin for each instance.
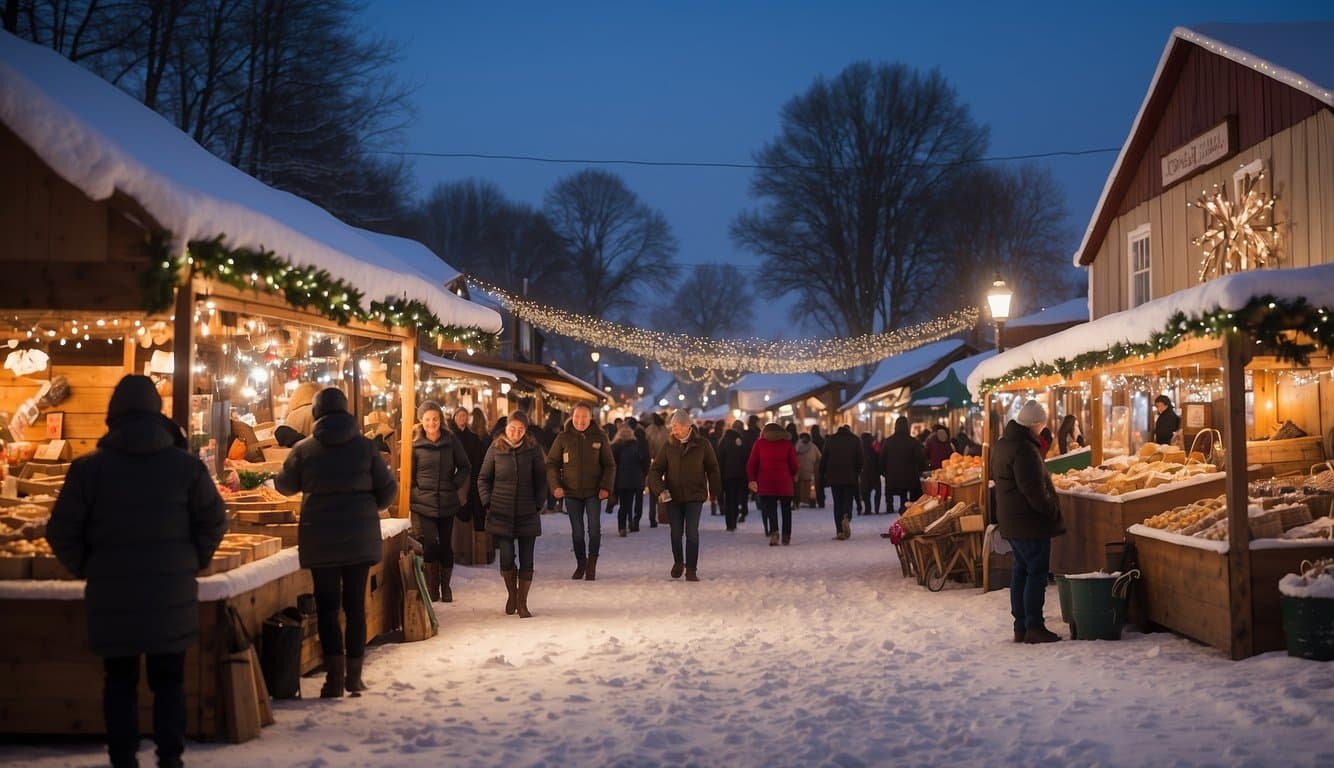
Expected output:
(841, 468)
(138, 518)
(732, 456)
(1029, 517)
(683, 476)
(582, 472)
(345, 483)
(902, 461)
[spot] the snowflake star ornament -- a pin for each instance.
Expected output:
(1240, 235)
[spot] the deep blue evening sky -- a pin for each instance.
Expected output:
(700, 81)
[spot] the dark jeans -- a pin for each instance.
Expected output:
(120, 706)
(843, 495)
(905, 495)
(437, 537)
(626, 517)
(1028, 581)
(684, 519)
(769, 511)
(579, 510)
(734, 500)
(525, 551)
(344, 584)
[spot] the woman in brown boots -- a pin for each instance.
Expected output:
(512, 486)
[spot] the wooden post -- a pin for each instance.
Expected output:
(183, 354)
(408, 402)
(127, 354)
(985, 503)
(1235, 354)
(1095, 419)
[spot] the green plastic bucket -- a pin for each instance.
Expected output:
(1098, 605)
(1067, 610)
(1308, 625)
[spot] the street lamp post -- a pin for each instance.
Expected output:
(998, 300)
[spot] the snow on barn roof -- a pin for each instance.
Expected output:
(896, 369)
(1072, 311)
(780, 387)
(1294, 53)
(414, 256)
(1138, 325)
(101, 140)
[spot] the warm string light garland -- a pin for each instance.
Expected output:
(1237, 236)
(306, 288)
(1268, 320)
(721, 358)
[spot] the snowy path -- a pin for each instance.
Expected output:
(813, 654)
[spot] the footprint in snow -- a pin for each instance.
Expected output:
(339, 748)
(498, 660)
(577, 699)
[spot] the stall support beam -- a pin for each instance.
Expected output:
(182, 351)
(1095, 419)
(408, 407)
(1236, 354)
(127, 354)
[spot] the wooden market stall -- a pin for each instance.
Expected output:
(1210, 281)
(130, 249)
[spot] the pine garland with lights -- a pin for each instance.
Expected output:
(1268, 320)
(306, 288)
(721, 359)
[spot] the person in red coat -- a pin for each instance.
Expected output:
(770, 469)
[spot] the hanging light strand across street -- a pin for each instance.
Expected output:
(678, 352)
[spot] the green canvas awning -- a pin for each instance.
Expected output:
(948, 392)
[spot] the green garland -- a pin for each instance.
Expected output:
(306, 288)
(1266, 319)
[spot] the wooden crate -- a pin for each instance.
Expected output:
(1286, 456)
(284, 532)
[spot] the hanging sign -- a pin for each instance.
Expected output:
(1200, 152)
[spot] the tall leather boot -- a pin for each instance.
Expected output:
(446, 596)
(591, 572)
(335, 671)
(580, 568)
(432, 573)
(353, 681)
(512, 604)
(525, 584)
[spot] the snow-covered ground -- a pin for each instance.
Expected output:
(815, 654)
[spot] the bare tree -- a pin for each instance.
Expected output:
(849, 186)
(617, 244)
(1009, 222)
(719, 302)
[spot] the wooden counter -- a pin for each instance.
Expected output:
(1093, 521)
(50, 683)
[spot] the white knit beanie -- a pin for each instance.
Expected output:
(1032, 414)
(682, 416)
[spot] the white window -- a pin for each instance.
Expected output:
(1253, 168)
(1140, 260)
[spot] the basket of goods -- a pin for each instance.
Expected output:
(920, 514)
(1307, 602)
(948, 522)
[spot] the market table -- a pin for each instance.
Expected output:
(51, 683)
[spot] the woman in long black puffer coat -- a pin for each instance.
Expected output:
(345, 483)
(512, 486)
(440, 474)
(139, 518)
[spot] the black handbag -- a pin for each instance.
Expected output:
(280, 653)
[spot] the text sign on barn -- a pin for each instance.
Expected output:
(1199, 153)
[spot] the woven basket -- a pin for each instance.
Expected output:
(1266, 525)
(915, 524)
(1292, 516)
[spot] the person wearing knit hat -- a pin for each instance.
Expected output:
(138, 518)
(684, 475)
(1029, 517)
(441, 472)
(345, 483)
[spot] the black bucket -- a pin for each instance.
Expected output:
(280, 653)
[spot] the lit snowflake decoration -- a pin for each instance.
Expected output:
(1237, 236)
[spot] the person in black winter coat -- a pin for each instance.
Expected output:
(841, 467)
(818, 438)
(631, 455)
(732, 458)
(902, 461)
(1168, 421)
(512, 485)
(345, 483)
(440, 474)
(138, 518)
(869, 500)
(475, 448)
(1029, 517)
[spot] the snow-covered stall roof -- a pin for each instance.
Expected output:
(781, 388)
(895, 369)
(1294, 53)
(414, 256)
(1072, 311)
(1138, 325)
(459, 366)
(101, 140)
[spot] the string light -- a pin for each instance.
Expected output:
(1237, 236)
(720, 359)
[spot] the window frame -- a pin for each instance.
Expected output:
(1142, 233)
